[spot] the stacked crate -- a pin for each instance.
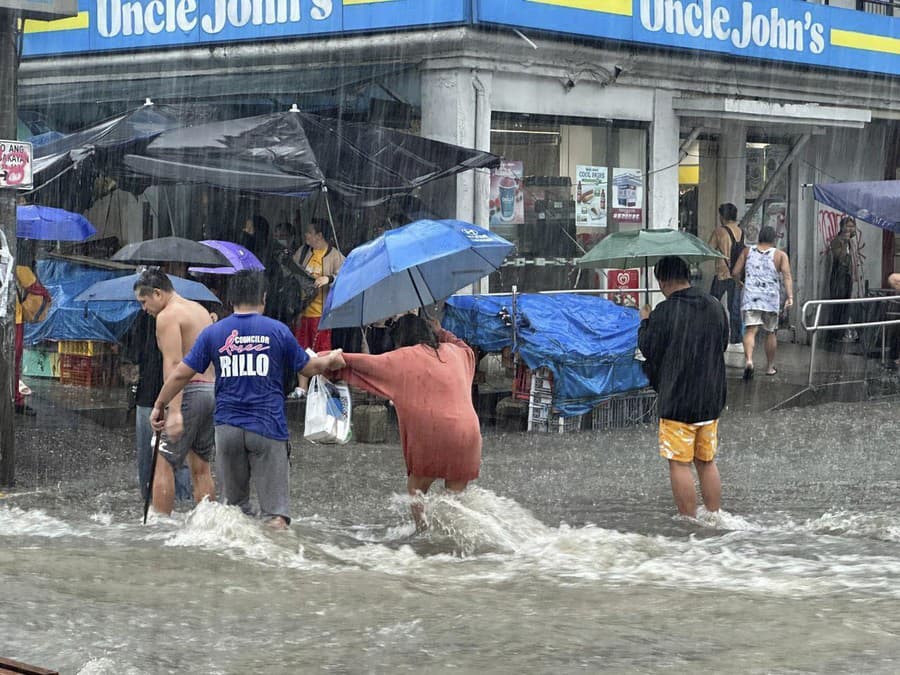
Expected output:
(626, 410)
(87, 363)
(541, 416)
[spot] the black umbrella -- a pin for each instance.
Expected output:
(171, 250)
(294, 152)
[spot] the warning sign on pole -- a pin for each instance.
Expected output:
(15, 164)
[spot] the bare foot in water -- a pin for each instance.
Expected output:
(277, 523)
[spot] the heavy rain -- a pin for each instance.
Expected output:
(449, 335)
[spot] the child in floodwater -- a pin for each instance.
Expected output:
(428, 377)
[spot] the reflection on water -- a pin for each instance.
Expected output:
(564, 557)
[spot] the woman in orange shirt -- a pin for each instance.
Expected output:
(429, 380)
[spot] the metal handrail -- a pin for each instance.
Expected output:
(579, 290)
(815, 328)
(818, 304)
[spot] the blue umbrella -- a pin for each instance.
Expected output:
(122, 289)
(876, 202)
(413, 266)
(49, 224)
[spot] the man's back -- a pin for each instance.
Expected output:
(684, 341)
(188, 318)
(728, 239)
(251, 354)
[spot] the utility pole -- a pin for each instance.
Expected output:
(9, 67)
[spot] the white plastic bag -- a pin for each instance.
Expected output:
(327, 411)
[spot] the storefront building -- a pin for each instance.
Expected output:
(609, 114)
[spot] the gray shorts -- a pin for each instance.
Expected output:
(243, 456)
(198, 403)
(758, 317)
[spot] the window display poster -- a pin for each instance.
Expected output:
(590, 196)
(628, 196)
(623, 280)
(507, 203)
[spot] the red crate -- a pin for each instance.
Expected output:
(85, 371)
(522, 383)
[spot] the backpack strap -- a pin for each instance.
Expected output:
(731, 235)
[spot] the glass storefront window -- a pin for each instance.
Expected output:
(763, 160)
(565, 183)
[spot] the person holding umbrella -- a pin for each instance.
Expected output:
(188, 431)
(428, 377)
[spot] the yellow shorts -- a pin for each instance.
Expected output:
(683, 442)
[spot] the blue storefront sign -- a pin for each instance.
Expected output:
(776, 30)
(106, 25)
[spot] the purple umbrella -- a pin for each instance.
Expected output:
(239, 257)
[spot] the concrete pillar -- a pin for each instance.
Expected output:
(733, 164)
(708, 202)
(662, 183)
(456, 108)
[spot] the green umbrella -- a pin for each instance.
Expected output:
(640, 248)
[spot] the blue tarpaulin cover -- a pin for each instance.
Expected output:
(71, 320)
(875, 202)
(588, 343)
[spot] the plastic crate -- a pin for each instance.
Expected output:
(521, 389)
(626, 410)
(86, 371)
(542, 419)
(528, 382)
(84, 347)
(40, 363)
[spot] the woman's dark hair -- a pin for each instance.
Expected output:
(411, 330)
(318, 225)
(261, 228)
(766, 235)
(672, 268)
(152, 279)
(247, 287)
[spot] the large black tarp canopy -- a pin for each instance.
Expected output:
(296, 153)
(66, 168)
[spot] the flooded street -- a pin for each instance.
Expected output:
(565, 557)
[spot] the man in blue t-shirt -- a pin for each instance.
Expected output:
(251, 354)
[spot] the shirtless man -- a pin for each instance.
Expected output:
(189, 431)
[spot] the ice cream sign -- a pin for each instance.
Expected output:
(775, 27)
(15, 164)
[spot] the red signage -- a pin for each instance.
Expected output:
(622, 280)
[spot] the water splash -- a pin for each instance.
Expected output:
(226, 529)
(880, 526)
(15, 521)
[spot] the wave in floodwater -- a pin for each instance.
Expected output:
(480, 536)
